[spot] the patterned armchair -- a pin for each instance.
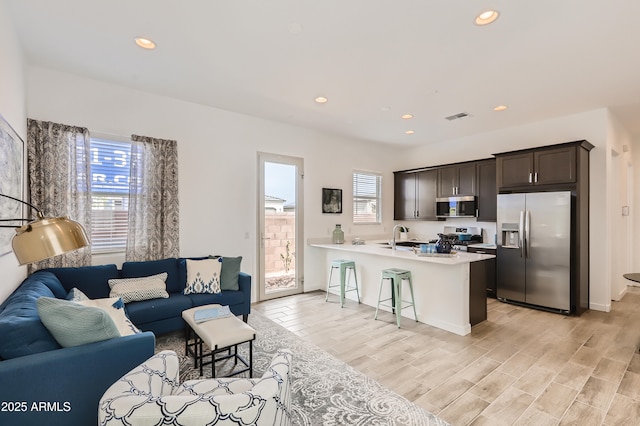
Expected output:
(151, 394)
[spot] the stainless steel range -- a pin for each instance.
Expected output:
(461, 236)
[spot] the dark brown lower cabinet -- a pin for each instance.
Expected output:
(490, 269)
(478, 291)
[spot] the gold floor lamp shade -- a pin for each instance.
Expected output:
(44, 237)
(47, 238)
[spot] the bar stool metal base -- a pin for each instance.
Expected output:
(344, 266)
(397, 303)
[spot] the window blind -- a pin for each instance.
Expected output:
(367, 197)
(109, 195)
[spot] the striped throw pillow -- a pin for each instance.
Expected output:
(136, 289)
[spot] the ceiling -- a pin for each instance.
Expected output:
(374, 60)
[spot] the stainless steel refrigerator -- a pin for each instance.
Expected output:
(534, 249)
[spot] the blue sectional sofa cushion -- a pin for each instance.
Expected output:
(147, 311)
(22, 333)
(91, 280)
(229, 298)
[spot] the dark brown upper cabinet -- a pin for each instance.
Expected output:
(404, 195)
(487, 190)
(457, 180)
(415, 195)
(543, 166)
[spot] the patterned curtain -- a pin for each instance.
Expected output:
(58, 180)
(153, 200)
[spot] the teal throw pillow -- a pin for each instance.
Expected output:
(230, 272)
(72, 324)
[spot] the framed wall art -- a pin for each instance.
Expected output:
(331, 200)
(11, 177)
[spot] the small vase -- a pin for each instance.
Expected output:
(338, 235)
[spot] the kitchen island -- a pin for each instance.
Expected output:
(450, 292)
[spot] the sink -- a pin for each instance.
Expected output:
(408, 244)
(404, 244)
(399, 248)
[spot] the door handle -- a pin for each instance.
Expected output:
(521, 237)
(527, 229)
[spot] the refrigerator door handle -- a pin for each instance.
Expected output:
(521, 239)
(527, 230)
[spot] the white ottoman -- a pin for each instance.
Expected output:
(220, 335)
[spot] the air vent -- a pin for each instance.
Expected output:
(457, 116)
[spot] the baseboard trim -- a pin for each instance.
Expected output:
(600, 307)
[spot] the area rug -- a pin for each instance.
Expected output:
(325, 390)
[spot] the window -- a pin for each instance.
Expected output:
(109, 195)
(367, 197)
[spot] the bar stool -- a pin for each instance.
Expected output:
(343, 265)
(396, 276)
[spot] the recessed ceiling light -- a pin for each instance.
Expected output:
(500, 108)
(487, 17)
(407, 116)
(145, 43)
(409, 132)
(321, 100)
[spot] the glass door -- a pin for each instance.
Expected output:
(280, 242)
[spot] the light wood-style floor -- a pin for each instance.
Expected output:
(520, 367)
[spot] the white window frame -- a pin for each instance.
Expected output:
(107, 237)
(364, 195)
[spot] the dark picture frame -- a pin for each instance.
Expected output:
(331, 200)
(11, 179)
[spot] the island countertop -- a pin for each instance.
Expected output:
(450, 292)
(378, 247)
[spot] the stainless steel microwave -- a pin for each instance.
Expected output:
(456, 207)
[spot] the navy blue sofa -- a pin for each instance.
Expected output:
(42, 383)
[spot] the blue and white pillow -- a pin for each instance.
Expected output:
(203, 276)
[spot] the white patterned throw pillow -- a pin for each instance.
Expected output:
(203, 276)
(136, 289)
(115, 308)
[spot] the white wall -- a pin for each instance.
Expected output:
(12, 107)
(217, 155)
(619, 187)
(634, 208)
(592, 126)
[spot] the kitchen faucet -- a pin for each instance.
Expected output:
(393, 236)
